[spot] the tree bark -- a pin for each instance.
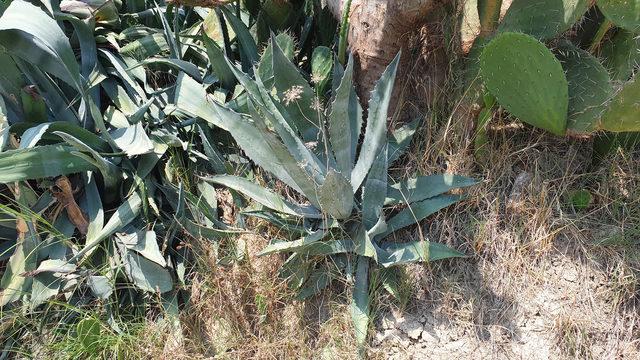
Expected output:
(378, 29)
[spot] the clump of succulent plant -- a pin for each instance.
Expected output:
(345, 207)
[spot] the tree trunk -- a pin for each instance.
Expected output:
(378, 29)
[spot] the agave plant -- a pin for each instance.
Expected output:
(343, 198)
(91, 206)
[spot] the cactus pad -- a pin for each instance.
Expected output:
(621, 54)
(623, 113)
(623, 13)
(589, 87)
(527, 80)
(543, 19)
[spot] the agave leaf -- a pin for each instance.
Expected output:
(88, 59)
(139, 114)
(266, 150)
(146, 274)
(11, 82)
(332, 247)
(133, 140)
(25, 256)
(142, 242)
(400, 139)
(44, 286)
(425, 187)
(417, 211)
(296, 245)
(29, 33)
(110, 173)
(375, 190)
(4, 125)
(393, 254)
(30, 136)
(212, 28)
(217, 60)
(248, 47)
(125, 214)
(54, 247)
(216, 159)
(247, 84)
(177, 64)
(40, 162)
(100, 286)
(121, 100)
(205, 232)
(265, 67)
(191, 97)
(375, 135)
(335, 195)
(207, 201)
(277, 116)
(263, 196)
(318, 281)
(296, 95)
(345, 121)
(360, 303)
(53, 95)
(172, 40)
(363, 242)
(91, 204)
(146, 47)
(133, 88)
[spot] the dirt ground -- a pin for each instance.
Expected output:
(543, 280)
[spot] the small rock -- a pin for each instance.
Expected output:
(388, 321)
(412, 328)
(427, 337)
(570, 275)
(389, 335)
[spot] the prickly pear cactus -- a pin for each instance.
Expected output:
(589, 87)
(623, 13)
(623, 113)
(543, 19)
(621, 54)
(527, 80)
